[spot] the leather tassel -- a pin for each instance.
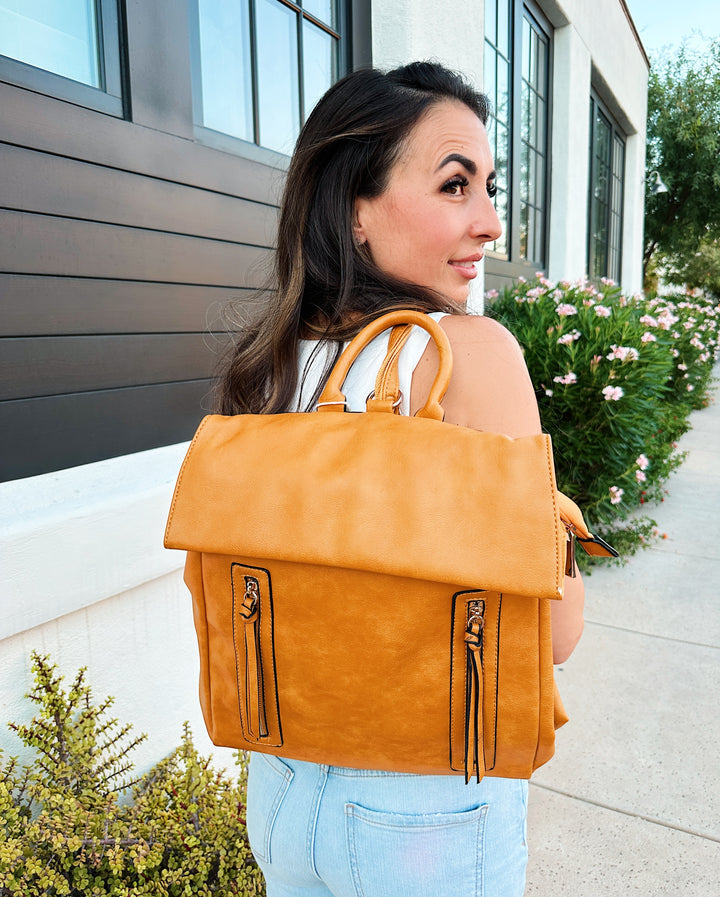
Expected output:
(473, 698)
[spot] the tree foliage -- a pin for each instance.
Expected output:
(683, 133)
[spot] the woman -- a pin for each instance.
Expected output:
(388, 204)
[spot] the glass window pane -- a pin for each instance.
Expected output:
(542, 48)
(491, 21)
(503, 27)
(501, 156)
(278, 84)
(502, 101)
(58, 37)
(539, 198)
(527, 51)
(321, 9)
(489, 81)
(501, 207)
(523, 230)
(318, 64)
(225, 65)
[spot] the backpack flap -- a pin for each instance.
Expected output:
(376, 492)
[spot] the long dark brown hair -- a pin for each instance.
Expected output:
(325, 286)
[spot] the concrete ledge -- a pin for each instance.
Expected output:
(75, 537)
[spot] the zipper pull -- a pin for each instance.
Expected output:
(251, 599)
(570, 564)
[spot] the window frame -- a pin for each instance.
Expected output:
(112, 97)
(616, 135)
(510, 264)
(342, 33)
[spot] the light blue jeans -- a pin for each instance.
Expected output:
(330, 831)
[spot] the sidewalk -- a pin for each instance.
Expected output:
(631, 802)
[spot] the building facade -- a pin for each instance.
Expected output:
(144, 148)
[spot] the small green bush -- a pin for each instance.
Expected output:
(616, 378)
(74, 823)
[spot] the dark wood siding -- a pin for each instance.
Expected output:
(121, 240)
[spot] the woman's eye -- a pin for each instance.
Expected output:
(491, 188)
(456, 185)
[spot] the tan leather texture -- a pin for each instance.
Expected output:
(373, 590)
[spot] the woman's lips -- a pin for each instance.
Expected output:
(466, 267)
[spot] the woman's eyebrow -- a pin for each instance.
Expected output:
(463, 160)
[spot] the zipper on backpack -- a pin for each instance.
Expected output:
(570, 562)
(474, 627)
(254, 681)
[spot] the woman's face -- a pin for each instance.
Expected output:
(432, 222)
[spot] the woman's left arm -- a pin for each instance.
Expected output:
(567, 618)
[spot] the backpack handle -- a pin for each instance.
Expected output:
(332, 398)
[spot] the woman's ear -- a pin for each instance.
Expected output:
(359, 222)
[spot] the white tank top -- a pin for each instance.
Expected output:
(314, 358)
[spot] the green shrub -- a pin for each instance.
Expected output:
(616, 378)
(74, 823)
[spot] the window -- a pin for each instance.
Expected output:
(69, 50)
(263, 64)
(517, 81)
(607, 167)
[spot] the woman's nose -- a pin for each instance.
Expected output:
(486, 224)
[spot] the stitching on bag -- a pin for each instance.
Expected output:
(182, 474)
(556, 509)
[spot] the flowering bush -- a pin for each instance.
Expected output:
(615, 378)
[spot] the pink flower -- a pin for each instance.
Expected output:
(648, 337)
(616, 494)
(682, 367)
(567, 380)
(565, 309)
(643, 462)
(690, 387)
(568, 338)
(648, 320)
(548, 392)
(608, 281)
(491, 294)
(613, 393)
(697, 343)
(640, 476)
(624, 353)
(602, 311)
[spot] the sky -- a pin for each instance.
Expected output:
(662, 23)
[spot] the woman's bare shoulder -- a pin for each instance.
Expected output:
(477, 329)
(490, 388)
